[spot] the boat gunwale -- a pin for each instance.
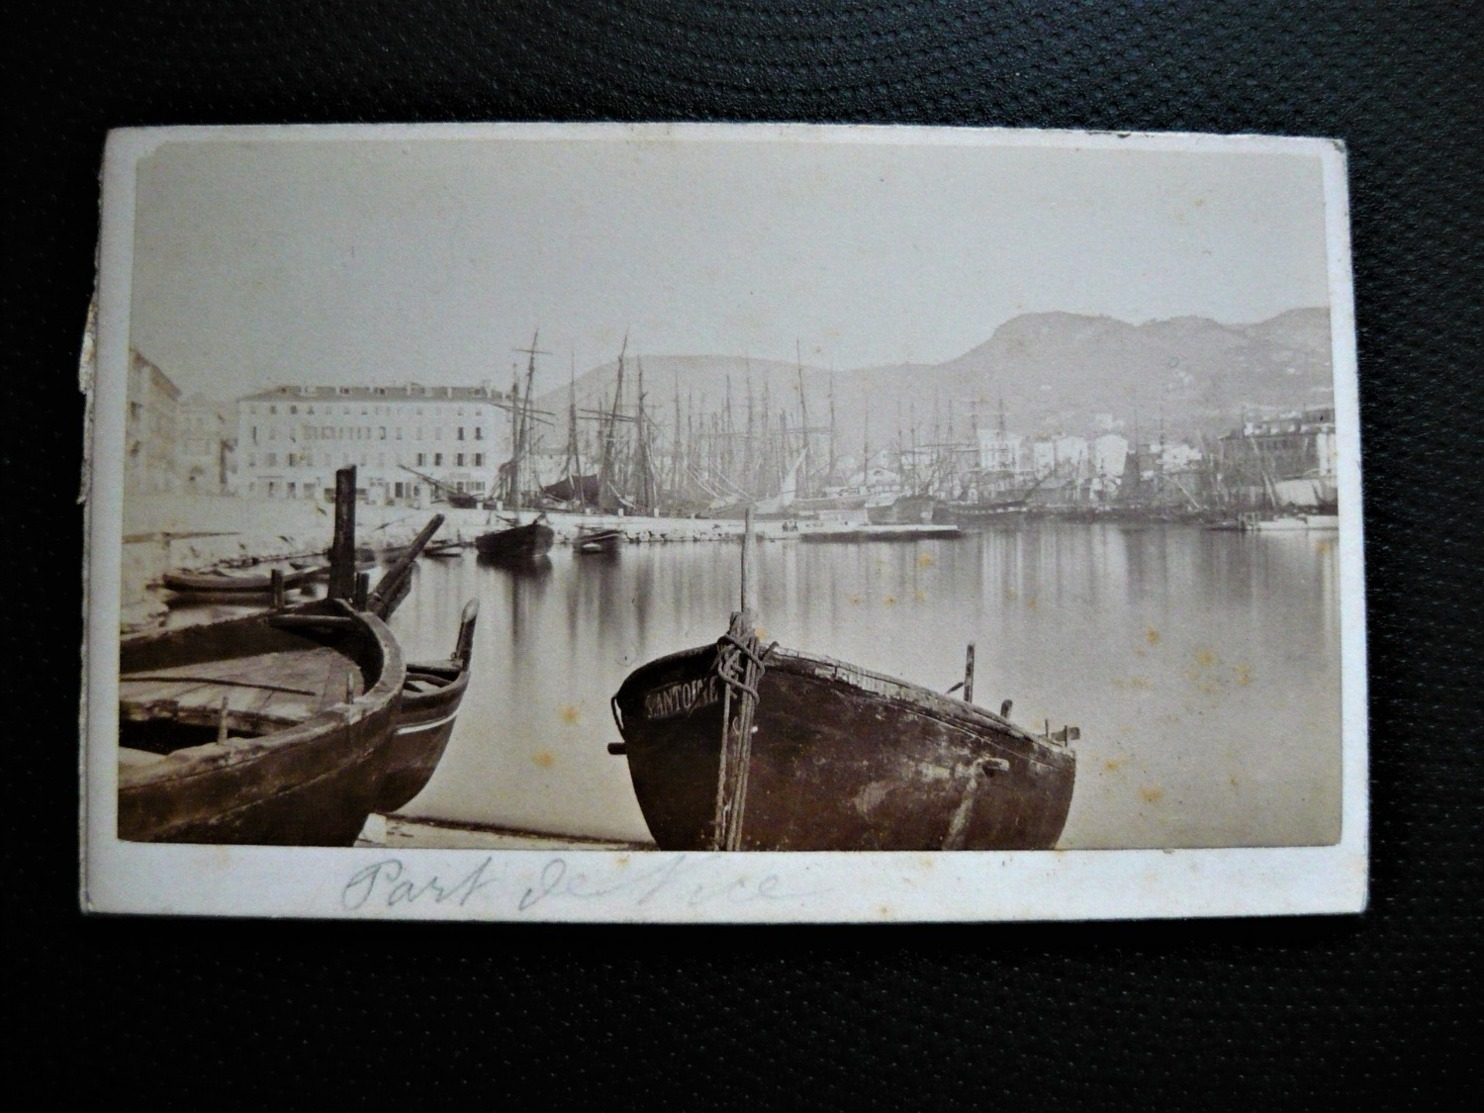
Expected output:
(935, 705)
(215, 757)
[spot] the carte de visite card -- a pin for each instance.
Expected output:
(723, 522)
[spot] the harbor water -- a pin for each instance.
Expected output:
(1202, 667)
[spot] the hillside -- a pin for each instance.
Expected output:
(1053, 372)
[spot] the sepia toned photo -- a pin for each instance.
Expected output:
(702, 522)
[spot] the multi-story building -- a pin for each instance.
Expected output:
(410, 443)
(1286, 460)
(206, 433)
(150, 465)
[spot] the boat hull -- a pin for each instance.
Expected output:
(220, 584)
(841, 759)
(516, 543)
(425, 720)
(599, 541)
(279, 777)
(424, 724)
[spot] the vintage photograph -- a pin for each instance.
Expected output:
(515, 497)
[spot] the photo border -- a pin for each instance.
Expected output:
(661, 886)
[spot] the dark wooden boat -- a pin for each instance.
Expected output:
(267, 730)
(597, 539)
(841, 758)
(431, 695)
(848, 534)
(516, 542)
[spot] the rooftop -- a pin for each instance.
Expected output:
(400, 392)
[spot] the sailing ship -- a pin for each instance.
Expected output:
(517, 541)
(734, 746)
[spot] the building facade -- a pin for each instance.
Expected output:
(206, 436)
(1287, 460)
(411, 444)
(150, 429)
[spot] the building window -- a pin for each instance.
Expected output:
(381, 433)
(461, 432)
(422, 460)
(479, 459)
(479, 432)
(459, 460)
(272, 410)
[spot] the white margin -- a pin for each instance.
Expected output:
(120, 877)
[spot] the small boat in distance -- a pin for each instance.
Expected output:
(597, 539)
(265, 730)
(516, 543)
(431, 695)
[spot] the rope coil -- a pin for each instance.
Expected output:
(740, 665)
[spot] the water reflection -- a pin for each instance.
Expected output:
(1201, 666)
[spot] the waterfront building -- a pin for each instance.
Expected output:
(150, 420)
(1283, 460)
(206, 435)
(411, 443)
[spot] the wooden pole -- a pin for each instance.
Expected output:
(747, 558)
(343, 548)
(275, 581)
(739, 702)
(969, 675)
(388, 593)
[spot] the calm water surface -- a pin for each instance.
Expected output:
(1202, 667)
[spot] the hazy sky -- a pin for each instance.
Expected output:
(260, 261)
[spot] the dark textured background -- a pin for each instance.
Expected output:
(1230, 1013)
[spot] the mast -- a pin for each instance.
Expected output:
(803, 415)
(523, 424)
(832, 426)
(605, 470)
(574, 450)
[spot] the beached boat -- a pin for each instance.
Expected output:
(597, 539)
(431, 695)
(227, 582)
(842, 758)
(269, 729)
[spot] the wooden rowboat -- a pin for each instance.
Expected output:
(262, 730)
(516, 543)
(221, 582)
(597, 539)
(431, 695)
(841, 758)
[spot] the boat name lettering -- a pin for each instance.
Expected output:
(682, 698)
